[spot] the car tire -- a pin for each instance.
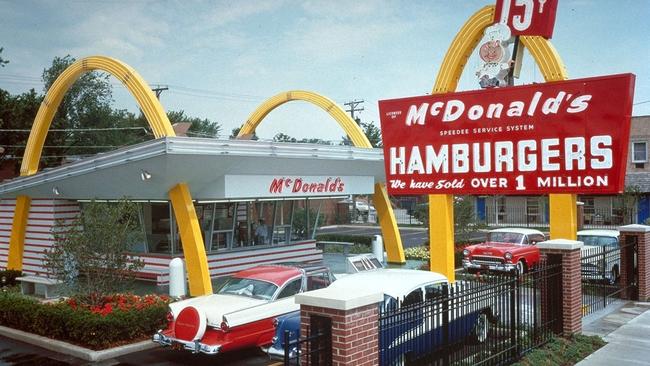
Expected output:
(481, 328)
(521, 267)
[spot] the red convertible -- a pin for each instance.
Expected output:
(505, 250)
(242, 313)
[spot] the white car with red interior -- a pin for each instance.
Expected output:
(241, 314)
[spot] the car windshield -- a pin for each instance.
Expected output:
(505, 237)
(597, 241)
(249, 288)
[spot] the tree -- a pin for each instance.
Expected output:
(235, 132)
(198, 127)
(3, 62)
(16, 112)
(281, 137)
(90, 254)
(371, 131)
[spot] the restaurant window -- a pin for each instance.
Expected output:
(221, 220)
(639, 152)
(532, 210)
(157, 227)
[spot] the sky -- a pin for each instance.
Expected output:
(222, 59)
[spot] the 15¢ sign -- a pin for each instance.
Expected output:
(527, 17)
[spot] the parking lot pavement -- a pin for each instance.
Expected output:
(18, 353)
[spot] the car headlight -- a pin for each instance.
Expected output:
(466, 252)
(507, 256)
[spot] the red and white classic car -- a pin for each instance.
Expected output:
(241, 314)
(505, 250)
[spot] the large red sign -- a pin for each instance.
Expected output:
(527, 17)
(560, 137)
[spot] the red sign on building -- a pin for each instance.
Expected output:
(560, 137)
(527, 17)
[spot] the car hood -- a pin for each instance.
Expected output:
(216, 306)
(493, 248)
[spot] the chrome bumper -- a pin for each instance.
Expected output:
(195, 346)
(501, 267)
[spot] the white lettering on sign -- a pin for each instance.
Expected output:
(574, 153)
(452, 110)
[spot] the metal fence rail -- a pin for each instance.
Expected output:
(601, 269)
(487, 320)
(313, 350)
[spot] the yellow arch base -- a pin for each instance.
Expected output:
(389, 229)
(441, 224)
(18, 228)
(160, 126)
(190, 233)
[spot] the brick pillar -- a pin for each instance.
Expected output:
(354, 322)
(569, 311)
(631, 234)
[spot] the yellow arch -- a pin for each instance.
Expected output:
(350, 127)
(142, 93)
(389, 229)
(441, 207)
(190, 231)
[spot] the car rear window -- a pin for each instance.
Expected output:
(597, 241)
(249, 288)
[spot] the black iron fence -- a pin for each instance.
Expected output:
(601, 270)
(315, 349)
(485, 320)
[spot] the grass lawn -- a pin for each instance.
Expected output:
(563, 351)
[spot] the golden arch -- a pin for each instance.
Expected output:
(390, 232)
(350, 127)
(441, 208)
(179, 195)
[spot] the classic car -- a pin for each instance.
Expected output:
(601, 261)
(241, 314)
(505, 250)
(291, 322)
(414, 330)
(403, 289)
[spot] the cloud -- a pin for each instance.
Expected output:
(225, 13)
(128, 31)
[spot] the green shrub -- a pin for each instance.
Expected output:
(94, 328)
(357, 239)
(563, 351)
(8, 277)
(362, 243)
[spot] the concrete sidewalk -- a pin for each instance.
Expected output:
(627, 333)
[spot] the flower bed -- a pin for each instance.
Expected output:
(116, 320)
(422, 253)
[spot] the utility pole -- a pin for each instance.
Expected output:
(353, 108)
(158, 89)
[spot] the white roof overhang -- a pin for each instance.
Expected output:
(213, 170)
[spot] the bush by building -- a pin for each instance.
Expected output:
(116, 320)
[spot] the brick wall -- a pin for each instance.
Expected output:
(643, 261)
(354, 333)
(570, 312)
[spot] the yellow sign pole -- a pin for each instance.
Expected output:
(441, 223)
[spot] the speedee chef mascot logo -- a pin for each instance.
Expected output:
(562, 137)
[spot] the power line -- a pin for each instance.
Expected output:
(643, 102)
(78, 129)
